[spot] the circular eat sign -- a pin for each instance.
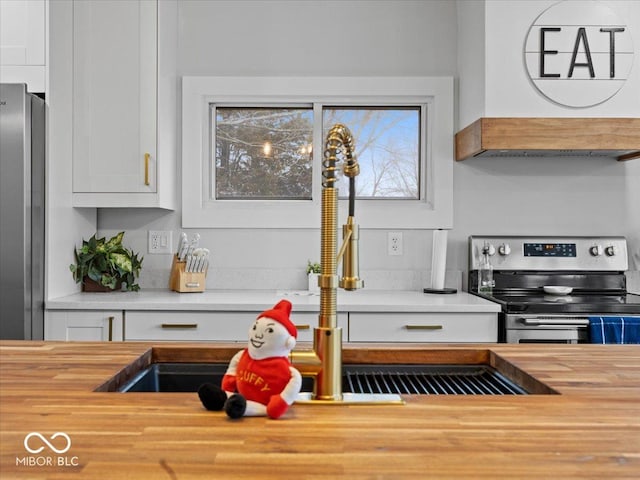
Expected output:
(578, 53)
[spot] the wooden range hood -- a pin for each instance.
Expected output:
(550, 137)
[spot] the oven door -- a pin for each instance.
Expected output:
(546, 329)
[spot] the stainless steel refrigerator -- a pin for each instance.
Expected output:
(22, 170)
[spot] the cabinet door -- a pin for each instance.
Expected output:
(23, 43)
(207, 326)
(83, 325)
(423, 327)
(22, 27)
(115, 87)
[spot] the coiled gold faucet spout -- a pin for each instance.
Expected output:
(339, 140)
(326, 363)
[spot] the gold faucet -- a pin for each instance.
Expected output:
(324, 362)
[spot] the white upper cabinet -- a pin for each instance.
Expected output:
(124, 86)
(23, 43)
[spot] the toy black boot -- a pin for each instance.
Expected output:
(235, 406)
(212, 396)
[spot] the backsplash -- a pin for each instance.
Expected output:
(257, 259)
(633, 281)
(296, 279)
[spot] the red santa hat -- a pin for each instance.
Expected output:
(280, 313)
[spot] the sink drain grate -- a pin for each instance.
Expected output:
(431, 380)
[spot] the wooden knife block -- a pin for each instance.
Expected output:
(181, 281)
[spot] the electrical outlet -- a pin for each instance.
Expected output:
(160, 241)
(394, 243)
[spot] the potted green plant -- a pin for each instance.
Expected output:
(313, 271)
(106, 265)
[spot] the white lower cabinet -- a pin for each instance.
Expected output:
(423, 327)
(206, 326)
(83, 325)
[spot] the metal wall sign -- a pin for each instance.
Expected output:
(579, 53)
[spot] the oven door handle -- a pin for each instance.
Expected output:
(580, 322)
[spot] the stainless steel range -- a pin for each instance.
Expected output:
(549, 286)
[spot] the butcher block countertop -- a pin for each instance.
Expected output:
(48, 405)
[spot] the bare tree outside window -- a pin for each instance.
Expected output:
(387, 143)
(263, 153)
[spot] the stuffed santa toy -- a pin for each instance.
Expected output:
(260, 379)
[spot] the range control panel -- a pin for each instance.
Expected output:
(549, 249)
(550, 253)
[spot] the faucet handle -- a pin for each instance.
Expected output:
(350, 261)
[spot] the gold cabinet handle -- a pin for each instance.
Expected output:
(146, 168)
(175, 326)
(303, 327)
(423, 327)
(111, 319)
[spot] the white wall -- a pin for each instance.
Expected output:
(471, 61)
(501, 196)
(322, 37)
(65, 225)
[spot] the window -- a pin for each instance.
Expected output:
(262, 153)
(253, 147)
(266, 152)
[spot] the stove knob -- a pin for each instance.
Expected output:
(504, 249)
(610, 251)
(596, 250)
(488, 249)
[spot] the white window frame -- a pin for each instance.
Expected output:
(433, 210)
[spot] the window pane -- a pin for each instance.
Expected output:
(387, 144)
(263, 153)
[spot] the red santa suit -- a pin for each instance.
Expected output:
(258, 380)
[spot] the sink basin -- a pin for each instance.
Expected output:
(413, 371)
(356, 379)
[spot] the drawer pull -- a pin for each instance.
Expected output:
(423, 327)
(111, 328)
(177, 326)
(303, 327)
(146, 168)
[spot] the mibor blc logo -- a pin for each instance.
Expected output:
(579, 53)
(46, 443)
(41, 449)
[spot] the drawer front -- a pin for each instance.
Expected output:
(205, 326)
(423, 327)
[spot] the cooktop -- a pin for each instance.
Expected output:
(589, 303)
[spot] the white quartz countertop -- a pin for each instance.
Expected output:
(259, 300)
